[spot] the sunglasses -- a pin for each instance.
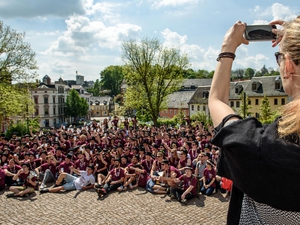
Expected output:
(280, 57)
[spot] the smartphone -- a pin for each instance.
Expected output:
(260, 33)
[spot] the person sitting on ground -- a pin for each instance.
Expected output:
(85, 181)
(188, 188)
(184, 160)
(129, 172)
(208, 179)
(12, 168)
(169, 174)
(47, 171)
(148, 162)
(138, 180)
(114, 180)
(65, 166)
(29, 182)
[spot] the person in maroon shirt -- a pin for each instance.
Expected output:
(29, 182)
(129, 173)
(66, 165)
(82, 161)
(2, 178)
(100, 167)
(169, 173)
(184, 161)
(47, 170)
(12, 168)
(114, 180)
(189, 186)
(148, 162)
(138, 180)
(209, 178)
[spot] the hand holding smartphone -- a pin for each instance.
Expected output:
(260, 33)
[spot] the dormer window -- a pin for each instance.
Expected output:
(277, 85)
(256, 85)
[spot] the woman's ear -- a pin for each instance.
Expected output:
(289, 66)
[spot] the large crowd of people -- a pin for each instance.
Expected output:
(110, 156)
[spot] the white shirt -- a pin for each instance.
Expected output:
(84, 180)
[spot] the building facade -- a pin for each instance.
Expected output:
(50, 100)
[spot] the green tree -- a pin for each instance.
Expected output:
(238, 73)
(264, 71)
(152, 72)
(249, 73)
(75, 105)
(266, 113)
(111, 79)
(244, 109)
(202, 74)
(17, 60)
(17, 65)
(95, 90)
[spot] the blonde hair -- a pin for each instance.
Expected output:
(289, 123)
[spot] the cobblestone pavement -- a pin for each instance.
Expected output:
(132, 207)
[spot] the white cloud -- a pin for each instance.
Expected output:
(173, 3)
(34, 8)
(106, 10)
(82, 33)
(274, 12)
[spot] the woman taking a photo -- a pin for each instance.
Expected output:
(263, 161)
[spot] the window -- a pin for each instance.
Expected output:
(277, 86)
(175, 111)
(254, 87)
(54, 111)
(257, 115)
(249, 102)
(275, 101)
(198, 108)
(45, 100)
(283, 101)
(171, 112)
(53, 99)
(45, 91)
(237, 104)
(36, 113)
(231, 104)
(256, 102)
(36, 100)
(192, 107)
(46, 111)
(204, 108)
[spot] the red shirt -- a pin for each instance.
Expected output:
(117, 174)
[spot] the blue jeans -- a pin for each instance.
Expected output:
(149, 185)
(207, 191)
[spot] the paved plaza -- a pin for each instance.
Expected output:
(132, 207)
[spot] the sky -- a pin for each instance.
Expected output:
(87, 35)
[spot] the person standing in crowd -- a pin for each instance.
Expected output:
(261, 160)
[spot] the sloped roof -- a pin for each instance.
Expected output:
(232, 94)
(179, 99)
(100, 99)
(197, 97)
(266, 86)
(196, 82)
